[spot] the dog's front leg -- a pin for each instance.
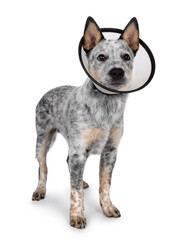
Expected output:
(108, 159)
(76, 167)
(107, 162)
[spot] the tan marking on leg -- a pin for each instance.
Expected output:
(77, 218)
(40, 191)
(76, 202)
(42, 173)
(107, 207)
(90, 135)
(46, 143)
(115, 135)
(104, 186)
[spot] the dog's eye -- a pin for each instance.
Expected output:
(126, 57)
(101, 57)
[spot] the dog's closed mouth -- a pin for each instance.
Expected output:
(117, 83)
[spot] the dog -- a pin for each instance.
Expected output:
(90, 121)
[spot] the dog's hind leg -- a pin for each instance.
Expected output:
(42, 147)
(85, 185)
(46, 134)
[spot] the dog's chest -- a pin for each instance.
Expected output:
(93, 139)
(106, 112)
(104, 119)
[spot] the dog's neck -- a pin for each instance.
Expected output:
(105, 91)
(104, 108)
(91, 89)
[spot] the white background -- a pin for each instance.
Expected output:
(38, 51)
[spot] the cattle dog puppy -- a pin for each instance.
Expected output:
(90, 120)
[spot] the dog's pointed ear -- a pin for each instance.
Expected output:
(92, 34)
(131, 34)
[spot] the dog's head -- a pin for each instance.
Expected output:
(111, 61)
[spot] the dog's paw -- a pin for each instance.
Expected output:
(111, 211)
(85, 185)
(78, 222)
(38, 195)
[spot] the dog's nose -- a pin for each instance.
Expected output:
(116, 73)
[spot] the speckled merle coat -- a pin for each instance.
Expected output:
(90, 121)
